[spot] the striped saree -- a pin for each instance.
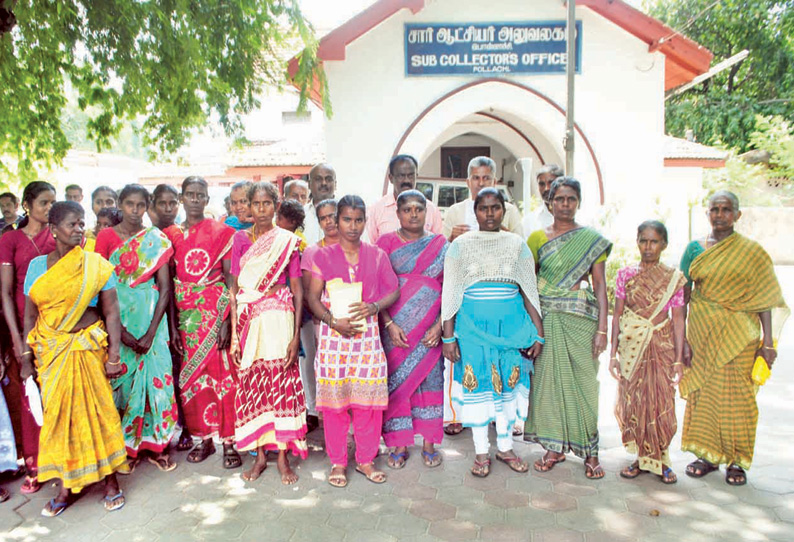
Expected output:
(733, 282)
(563, 412)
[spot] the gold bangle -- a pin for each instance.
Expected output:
(601, 332)
(764, 347)
(114, 364)
(26, 353)
(390, 322)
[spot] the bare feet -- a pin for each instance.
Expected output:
(260, 464)
(288, 477)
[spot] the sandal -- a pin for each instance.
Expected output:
(397, 461)
(453, 429)
(185, 442)
(735, 475)
(546, 463)
(632, 471)
(338, 479)
(163, 463)
(431, 459)
(201, 451)
(700, 468)
(54, 508)
(376, 476)
(593, 472)
(481, 469)
(118, 499)
(4, 494)
(231, 459)
(518, 431)
(668, 476)
(30, 485)
(514, 462)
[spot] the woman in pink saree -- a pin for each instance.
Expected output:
(412, 334)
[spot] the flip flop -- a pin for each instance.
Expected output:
(162, 463)
(30, 485)
(337, 480)
(700, 468)
(108, 502)
(231, 458)
(593, 472)
(56, 509)
(397, 460)
(735, 471)
(453, 429)
(545, 464)
(514, 462)
(481, 469)
(131, 464)
(200, 452)
(374, 476)
(668, 476)
(429, 459)
(184, 443)
(632, 471)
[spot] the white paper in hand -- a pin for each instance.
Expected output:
(34, 400)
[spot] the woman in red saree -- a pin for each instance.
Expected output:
(17, 248)
(267, 307)
(202, 251)
(350, 364)
(413, 333)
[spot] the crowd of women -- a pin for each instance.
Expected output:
(141, 331)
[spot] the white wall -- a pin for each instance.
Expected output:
(619, 99)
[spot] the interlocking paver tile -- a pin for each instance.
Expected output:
(503, 533)
(557, 534)
(627, 523)
(786, 513)
(305, 533)
(432, 510)
(352, 520)
(416, 492)
(440, 478)
(454, 530)
(131, 535)
(481, 514)
(368, 535)
(496, 480)
(384, 505)
(271, 531)
(402, 525)
(553, 502)
(226, 529)
(574, 489)
(507, 499)
(606, 536)
(529, 518)
(583, 519)
(461, 496)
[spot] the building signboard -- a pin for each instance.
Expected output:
(486, 49)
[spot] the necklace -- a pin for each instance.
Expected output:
(401, 235)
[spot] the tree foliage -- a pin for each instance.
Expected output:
(169, 65)
(723, 110)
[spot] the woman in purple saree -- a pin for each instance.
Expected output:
(413, 331)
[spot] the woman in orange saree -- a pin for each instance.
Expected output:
(75, 352)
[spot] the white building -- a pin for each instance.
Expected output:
(447, 79)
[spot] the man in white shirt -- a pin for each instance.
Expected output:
(382, 215)
(322, 185)
(460, 217)
(542, 217)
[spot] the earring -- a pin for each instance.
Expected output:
(54, 236)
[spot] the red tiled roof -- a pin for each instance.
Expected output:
(684, 59)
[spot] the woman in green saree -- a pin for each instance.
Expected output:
(563, 412)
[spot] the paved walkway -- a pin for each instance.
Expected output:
(205, 502)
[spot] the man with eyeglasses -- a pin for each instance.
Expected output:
(382, 215)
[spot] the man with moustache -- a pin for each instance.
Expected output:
(542, 217)
(322, 185)
(298, 190)
(382, 215)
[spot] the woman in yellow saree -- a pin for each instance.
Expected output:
(75, 353)
(734, 294)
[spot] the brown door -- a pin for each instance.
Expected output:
(455, 160)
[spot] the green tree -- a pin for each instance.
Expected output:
(169, 65)
(722, 110)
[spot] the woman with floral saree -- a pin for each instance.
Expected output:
(651, 345)
(563, 412)
(144, 392)
(350, 364)
(32, 238)
(75, 353)
(202, 251)
(267, 308)
(732, 294)
(413, 332)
